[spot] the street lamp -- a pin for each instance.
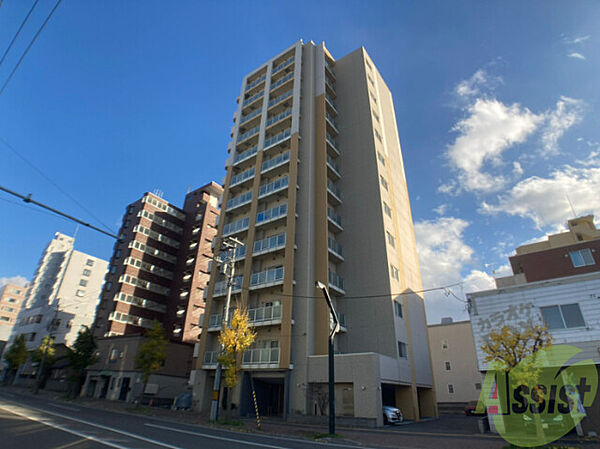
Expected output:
(333, 331)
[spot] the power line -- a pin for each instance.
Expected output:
(29, 46)
(18, 31)
(28, 199)
(24, 206)
(47, 178)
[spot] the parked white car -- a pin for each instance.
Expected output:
(391, 415)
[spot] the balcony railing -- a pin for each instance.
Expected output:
(236, 226)
(330, 84)
(261, 356)
(239, 200)
(210, 357)
(255, 82)
(265, 313)
(331, 102)
(248, 134)
(275, 161)
(336, 281)
(280, 81)
(333, 165)
(284, 64)
(333, 189)
(332, 120)
(253, 114)
(277, 138)
(281, 97)
(270, 276)
(274, 186)
(334, 246)
(221, 286)
(245, 155)
(271, 214)
(331, 141)
(253, 98)
(336, 218)
(279, 117)
(269, 244)
(238, 179)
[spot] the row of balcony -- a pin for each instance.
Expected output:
(247, 117)
(279, 117)
(258, 316)
(241, 157)
(263, 246)
(273, 186)
(336, 282)
(281, 97)
(253, 98)
(248, 134)
(240, 178)
(251, 357)
(276, 161)
(256, 82)
(284, 64)
(239, 200)
(266, 278)
(146, 249)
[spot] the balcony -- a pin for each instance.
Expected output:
(247, 117)
(334, 220)
(276, 161)
(273, 187)
(329, 69)
(270, 215)
(244, 156)
(255, 82)
(253, 98)
(330, 84)
(263, 357)
(267, 278)
(280, 98)
(334, 194)
(279, 117)
(221, 286)
(335, 249)
(254, 131)
(332, 143)
(336, 282)
(272, 141)
(238, 201)
(265, 316)
(269, 244)
(333, 168)
(282, 81)
(215, 321)
(332, 122)
(283, 65)
(236, 226)
(241, 177)
(331, 103)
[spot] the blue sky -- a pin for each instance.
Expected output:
(497, 107)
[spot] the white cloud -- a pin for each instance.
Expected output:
(442, 256)
(18, 280)
(480, 81)
(517, 169)
(576, 55)
(544, 200)
(577, 40)
(490, 129)
(441, 209)
(568, 112)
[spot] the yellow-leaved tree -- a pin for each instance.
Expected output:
(235, 339)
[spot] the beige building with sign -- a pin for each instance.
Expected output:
(316, 191)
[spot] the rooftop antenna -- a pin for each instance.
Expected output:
(571, 204)
(158, 193)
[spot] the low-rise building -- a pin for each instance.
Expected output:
(11, 300)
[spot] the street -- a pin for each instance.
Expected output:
(27, 423)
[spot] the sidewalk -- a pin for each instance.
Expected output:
(450, 431)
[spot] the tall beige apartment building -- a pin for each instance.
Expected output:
(11, 300)
(315, 189)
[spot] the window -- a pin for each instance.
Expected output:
(127, 223)
(15, 291)
(80, 293)
(13, 300)
(90, 262)
(368, 65)
(117, 254)
(395, 273)
(582, 258)
(390, 239)
(113, 269)
(32, 336)
(381, 158)
(378, 136)
(4, 318)
(86, 272)
(114, 354)
(398, 309)
(108, 286)
(373, 97)
(478, 386)
(563, 316)
(387, 209)
(130, 210)
(450, 389)
(402, 352)
(8, 309)
(384, 183)
(83, 282)
(447, 366)
(370, 80)
(376, 117)
(444, 344)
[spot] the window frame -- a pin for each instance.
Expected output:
(559, 307)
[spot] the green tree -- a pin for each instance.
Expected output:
(81, 355)
(152, 353)
(45, 356)
(235, 339)
(16, 355)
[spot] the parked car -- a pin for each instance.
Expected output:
(471, 409)
(391, 415)
(183, 402)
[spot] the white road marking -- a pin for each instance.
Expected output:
(59, 427)
(215, 437)
(65, 407)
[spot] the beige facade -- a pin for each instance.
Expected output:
(457, 377)
(11, 300)
(315, 189)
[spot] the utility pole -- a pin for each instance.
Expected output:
(51, 328)
(230, 244)
(334, 330)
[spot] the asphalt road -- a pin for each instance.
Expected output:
(38, 423)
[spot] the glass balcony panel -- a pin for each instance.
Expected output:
(271, 214)
(245, 155)
(255, 82)
(253, 98)
(282, 80)
(279, 117)
(275, 161)
(281, 97)
(284, 64)
(277, 138)
(239, 200)
(278, 184)
(238, 179)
